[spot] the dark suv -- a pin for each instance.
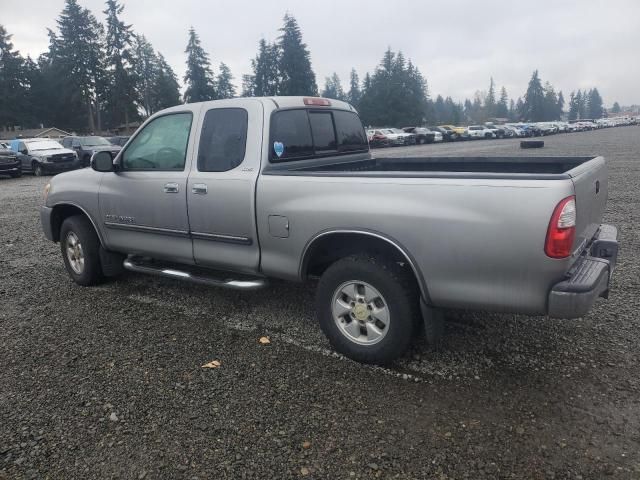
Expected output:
(9, 162)
(87, 146)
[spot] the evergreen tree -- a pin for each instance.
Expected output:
(581, 99)
(248, 85)
(534, 100)
(595, 104)
(296, 74)
(396, 93)
(165, 90)
(122, 95)
(145, 66)
(224, 83)
(13, 83)
(573, 106)
(550, 106)
(560, 105)
(333, 88)
(199, 78)
(513, 115)
(502, 107)
(490, 101)
(520, 109)
(354, 95)
(80, 55)
(616, 108)
(265, 80)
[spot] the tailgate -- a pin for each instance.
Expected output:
(590, 184)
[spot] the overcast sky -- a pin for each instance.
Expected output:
(456, 44)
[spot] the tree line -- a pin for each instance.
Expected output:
(98, 76)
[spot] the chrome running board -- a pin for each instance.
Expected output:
(202, 276)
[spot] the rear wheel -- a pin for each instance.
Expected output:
(367, 307)
(80, 248)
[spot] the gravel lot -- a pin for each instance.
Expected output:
(107, 382)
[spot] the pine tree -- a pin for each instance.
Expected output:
(550, 106)
(581, 100)
(595, 104)
(122, 96)
(560, 105)
(12, 83)
(199, 78)
(502, 107)
(145, 66)
(513, 115)
(520, 109)
(616, 108)
(573, 106)
(490, 101)
(333, 88)
(80, 55)
(265, 80)
(534, 100)
(165, 88)
(224, 83)
(296, 74)
(354, 94)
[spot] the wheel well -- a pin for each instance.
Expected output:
(60, 214)
(329, 248)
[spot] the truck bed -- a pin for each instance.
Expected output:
(547, 168)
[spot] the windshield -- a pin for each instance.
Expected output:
(93, 141)
(43, 145)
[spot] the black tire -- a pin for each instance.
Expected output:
(398, 288)
(86, 160)
(531, 144)
(91, 273)
(37, 169)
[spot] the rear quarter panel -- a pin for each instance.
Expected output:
(479, 244)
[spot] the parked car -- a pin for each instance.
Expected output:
(9, 162)
(289, 190)
(42, 155)
(498, 132)
(399, 137)
(479, 131)
(423, 135)
(119, 140)
(448, 135)
(377, 138)
(87, 146)
(459, 132)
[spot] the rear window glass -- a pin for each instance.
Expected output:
(300, 133)
(350, 132)
(324, 137)
(223, 139)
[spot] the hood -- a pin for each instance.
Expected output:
(105, 148)
(51, 151)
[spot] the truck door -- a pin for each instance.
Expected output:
(221, 192)
(144, 204)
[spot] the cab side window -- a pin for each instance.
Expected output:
(223, 140)
(161, 145)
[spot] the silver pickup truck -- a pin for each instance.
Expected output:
(233, 192)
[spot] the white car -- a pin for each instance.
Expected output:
(479, 131)
(399, 137)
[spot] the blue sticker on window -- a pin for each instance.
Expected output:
(278, 147)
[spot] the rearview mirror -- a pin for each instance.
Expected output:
(102, 162)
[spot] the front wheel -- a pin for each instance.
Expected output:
(37, 169)
(367, 307)
(80, 248)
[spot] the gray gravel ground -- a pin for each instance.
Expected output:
(107, 382)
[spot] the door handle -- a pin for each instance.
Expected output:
(199, 188)
(171, 188)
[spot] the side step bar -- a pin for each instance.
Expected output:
(136, 264)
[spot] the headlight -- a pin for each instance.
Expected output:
(45, 194)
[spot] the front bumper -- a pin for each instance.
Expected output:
(57, 167)
(588, 278)
(10, 168)
(45, 220)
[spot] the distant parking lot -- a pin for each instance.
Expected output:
(108, 381)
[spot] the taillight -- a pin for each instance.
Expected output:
(318, 102)
(562, 229)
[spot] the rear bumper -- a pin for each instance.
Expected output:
(588, 279)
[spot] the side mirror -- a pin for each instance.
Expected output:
(24, 152)
(102, 162)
